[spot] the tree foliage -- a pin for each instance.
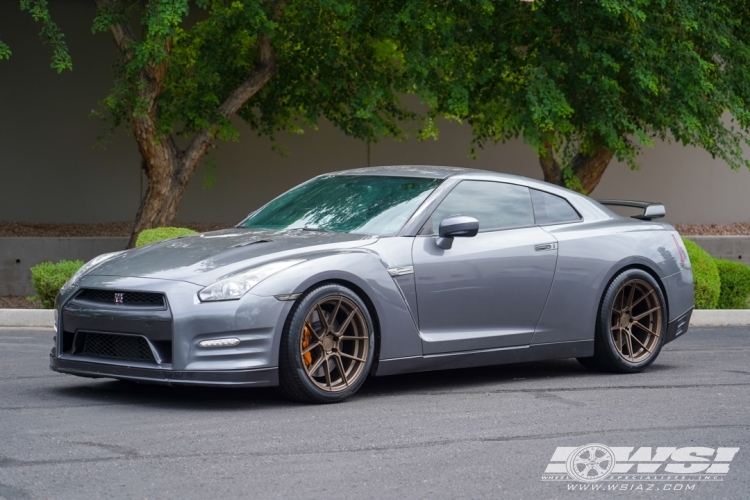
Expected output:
(577, 79)
(580, 81)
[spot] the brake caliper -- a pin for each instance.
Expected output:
(307, 357)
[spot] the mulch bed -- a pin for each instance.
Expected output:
(18, 302)
(60, 230)
(735, 229)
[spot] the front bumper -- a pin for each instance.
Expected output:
(170, 335)
(261, 377)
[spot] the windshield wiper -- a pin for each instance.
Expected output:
(320, 229)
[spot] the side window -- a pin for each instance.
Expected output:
(551, 209)
(494, 204)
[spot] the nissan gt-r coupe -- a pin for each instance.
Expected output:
(379, 271)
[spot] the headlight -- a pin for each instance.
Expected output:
(234, 286)
(88, 267)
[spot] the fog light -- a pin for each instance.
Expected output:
(219, 342)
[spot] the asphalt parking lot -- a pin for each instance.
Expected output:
(478, 433)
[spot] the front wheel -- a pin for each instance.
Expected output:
(327, 346)
(631, 325)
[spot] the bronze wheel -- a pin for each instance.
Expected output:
(631, 324)
(334, 343)
(328, 346)
(636, 320)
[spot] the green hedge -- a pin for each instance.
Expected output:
(735, 285)
(47, 279)
(148, 236)
(705, 276)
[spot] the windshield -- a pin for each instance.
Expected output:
(365, 204)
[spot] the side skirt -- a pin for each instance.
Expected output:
(501, 356)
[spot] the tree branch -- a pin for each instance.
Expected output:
(265, 69)
(550, 167)
(122, 33)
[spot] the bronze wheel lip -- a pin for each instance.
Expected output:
(338, 347)
(636, 319)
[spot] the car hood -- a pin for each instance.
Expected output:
(204, 258)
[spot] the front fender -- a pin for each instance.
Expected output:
(366, 271)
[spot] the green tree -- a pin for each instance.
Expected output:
(587, 80)
(279, 65)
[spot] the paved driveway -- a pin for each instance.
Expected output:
(478, 433)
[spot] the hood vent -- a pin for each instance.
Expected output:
(252, 242)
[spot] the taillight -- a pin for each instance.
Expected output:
(679, 249)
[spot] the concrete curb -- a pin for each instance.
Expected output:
(45, 318)
(38, 318)
(724, 317)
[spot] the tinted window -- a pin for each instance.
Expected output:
(495, 205)
(551, 209)
(365, 204)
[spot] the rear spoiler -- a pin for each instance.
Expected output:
(650, 210)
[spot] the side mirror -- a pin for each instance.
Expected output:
(456, 226)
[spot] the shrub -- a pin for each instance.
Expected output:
(705, 276)
(47, 279)
(735, 285)
(148, 236)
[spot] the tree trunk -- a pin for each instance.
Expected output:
(169, 169)
(588, 169)
(167, 181)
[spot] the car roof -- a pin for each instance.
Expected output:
(585, 205)
(428, 171)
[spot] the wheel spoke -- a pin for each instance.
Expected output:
(340, 364)
(316, 365)
(351, 357)
(632, 295)
(636, 339)
(308, 324)
(630, 345)
(346, 322)
(323, 320)
(636, 318)
(328, 374)
(336, 312)
(640, 325)
(350, 337)
(311, 347)
(642, 297)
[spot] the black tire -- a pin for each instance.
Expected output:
(294, 381)
(617, 326)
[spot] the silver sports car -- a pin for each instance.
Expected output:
(380, 271)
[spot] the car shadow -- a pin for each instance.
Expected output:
(496, 378)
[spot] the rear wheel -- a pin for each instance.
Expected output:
(327, 346)
(631, 324)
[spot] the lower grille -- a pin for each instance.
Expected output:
(128, 347)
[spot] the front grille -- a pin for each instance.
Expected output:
(127, 298)
(129, 347)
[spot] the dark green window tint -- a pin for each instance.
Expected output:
(364, 204)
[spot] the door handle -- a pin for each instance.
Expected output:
(546, 246)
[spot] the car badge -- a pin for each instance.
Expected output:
(118, 298)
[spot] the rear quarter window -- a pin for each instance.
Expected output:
(552, 209)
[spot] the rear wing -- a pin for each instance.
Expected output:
(650, 210)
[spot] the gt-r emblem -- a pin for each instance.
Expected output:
(118, 298)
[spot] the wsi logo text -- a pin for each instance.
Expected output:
(598, 462)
